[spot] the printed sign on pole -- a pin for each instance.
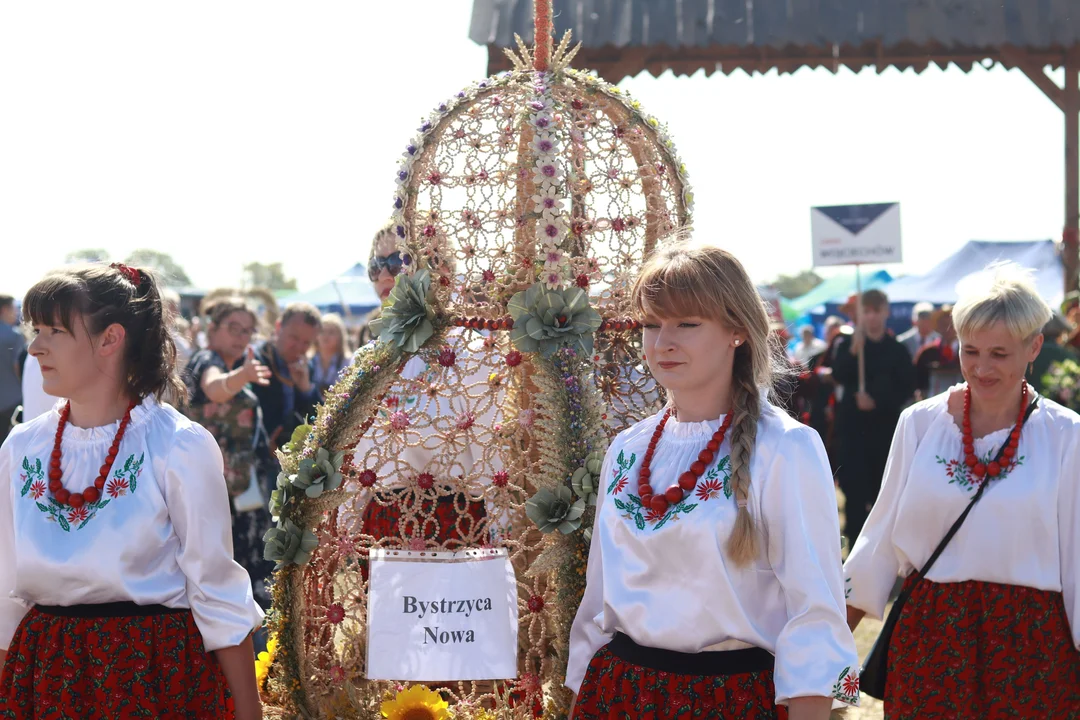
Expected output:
(856, 234)
(442, 616)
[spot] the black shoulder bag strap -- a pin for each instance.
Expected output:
(875, 668)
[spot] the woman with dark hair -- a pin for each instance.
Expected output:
(219, 381)
(119, 594)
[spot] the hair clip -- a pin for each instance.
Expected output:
(133, 275)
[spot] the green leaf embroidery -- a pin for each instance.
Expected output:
(639, 521)
(42, 508)
(26, 486)
(63, 522)
(621, 505)
(57, 511)
(619, 460)
(26, 464)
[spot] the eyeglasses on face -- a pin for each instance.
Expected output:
(238, 331)
(392, 264)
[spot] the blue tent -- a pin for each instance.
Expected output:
(938, 286)
(351, 289)
(838, 289)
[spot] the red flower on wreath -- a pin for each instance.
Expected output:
(335, 613)
(536, 604)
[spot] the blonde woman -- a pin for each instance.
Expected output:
(713, 585)
(332, 353)
(991, 630)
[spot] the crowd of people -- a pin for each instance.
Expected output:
(187, 419)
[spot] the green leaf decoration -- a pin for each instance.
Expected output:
(639, 521)
(42, 508)
(407, 320)
(63, 522)
(545, 320)
(621, 505)
(558, 510)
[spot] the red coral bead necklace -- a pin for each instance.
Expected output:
(56, 475)
(688, 480)
(1008, 456)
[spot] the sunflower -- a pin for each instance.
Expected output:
(264, 661)
(416, 703)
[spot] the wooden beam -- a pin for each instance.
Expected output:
(1071, 237)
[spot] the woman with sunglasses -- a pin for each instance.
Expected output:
(384, 264)
(221, 400)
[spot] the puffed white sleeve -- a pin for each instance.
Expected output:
(12, 610)
(218, 588)
(1069, 524)
(587, 634)
(815, 651)
(872, 566)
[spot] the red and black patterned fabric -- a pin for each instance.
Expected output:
(614, 688)
(982, 650)
(111, 668)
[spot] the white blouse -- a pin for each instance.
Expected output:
(1025, 529)
(667, 583)
(160, 534)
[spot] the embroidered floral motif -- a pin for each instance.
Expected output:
(618, 484)
(847, 588)
(710, 486)
(846, 688)
(125, 480)
(960, 474)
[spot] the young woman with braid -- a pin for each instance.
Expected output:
(713, 586)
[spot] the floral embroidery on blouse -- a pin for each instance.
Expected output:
(123, 482)
(709, 487)
(846, 687)
(847, 588)
(960, 474)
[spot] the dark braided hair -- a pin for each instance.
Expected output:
(100, 295)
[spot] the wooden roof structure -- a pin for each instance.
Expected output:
(622, 38)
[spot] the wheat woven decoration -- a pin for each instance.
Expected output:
(524, 207)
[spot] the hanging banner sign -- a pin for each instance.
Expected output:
(856, 234)
(442, 616)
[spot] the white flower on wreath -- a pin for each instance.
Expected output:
(541, 121)
(552, 259)
(550, 230)
(548, 203)
(545, 143)
(552, 280)
(547, 173)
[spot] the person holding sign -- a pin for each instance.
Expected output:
(870, 405)
(713, 584)
(980, 510)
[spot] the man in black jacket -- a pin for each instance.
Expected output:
(866, 421)
(290, 397)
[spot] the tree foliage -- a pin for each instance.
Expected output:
(270, 276)
(793, 286)
(168, 270)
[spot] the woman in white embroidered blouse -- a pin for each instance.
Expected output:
(118, 590)
(713, 585)
(987, 633)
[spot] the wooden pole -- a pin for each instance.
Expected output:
(860, 331)
(1071, 102)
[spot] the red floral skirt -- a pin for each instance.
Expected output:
(616, 688)
(982, 650)
(449, 520)
(111, 668)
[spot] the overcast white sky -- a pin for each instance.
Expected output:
(228, 131)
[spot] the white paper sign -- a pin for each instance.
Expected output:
(441, 616)
(855, 234)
